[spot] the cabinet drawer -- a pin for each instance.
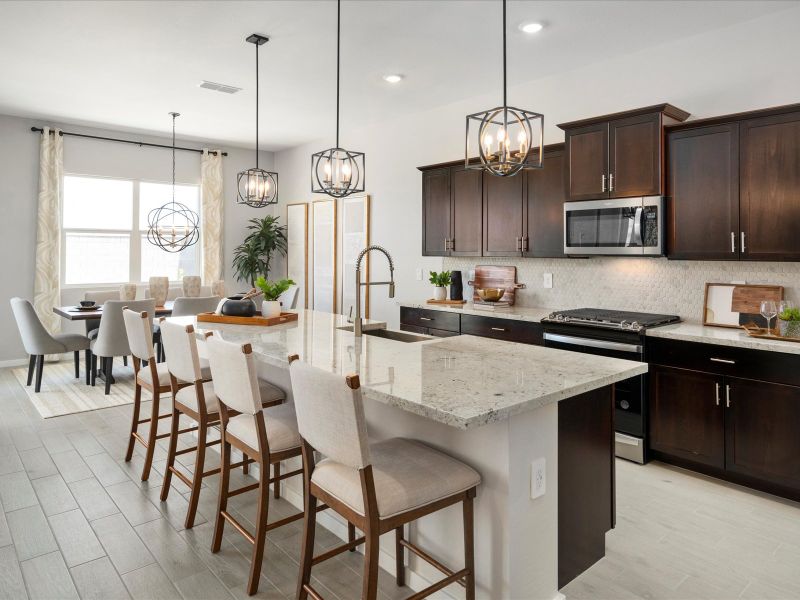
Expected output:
(441, 333)
(760, 365)
(510, 330)
(435, 319)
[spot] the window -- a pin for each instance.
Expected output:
(104, 231)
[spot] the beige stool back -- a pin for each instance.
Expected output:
(180, 346)
(330, 414)
(235, 376)
(140, 333)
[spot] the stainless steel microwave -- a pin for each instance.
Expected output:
(618, 226)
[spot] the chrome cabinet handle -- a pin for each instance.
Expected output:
(446, 245)
(727, 396)
(723, 360)
(499, 329)
(603, 182)
(425, 319)
(733, 241)
(743, 247)
(611, 182)
(717, 385)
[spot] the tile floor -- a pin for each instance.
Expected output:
(76, 522)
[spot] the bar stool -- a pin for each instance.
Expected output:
(198, 401)
(378, 487)
(267, 435)
(154, 378)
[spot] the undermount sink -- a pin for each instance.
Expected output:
(388, 334)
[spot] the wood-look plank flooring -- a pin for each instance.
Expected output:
(76, 522)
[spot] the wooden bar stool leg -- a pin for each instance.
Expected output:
(371, 548)
(351, 535)
(197, 479)
(222, 503)
(31, 367)
(400, 558)
(151, 437)
(246, 465)
(137, 404)
(261, 529)
(307, 551)
(77, 355)
(173, 447)
(277, 489)
(469, 546)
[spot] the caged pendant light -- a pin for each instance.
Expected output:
(174, 226)
(257, 188)
(336, 171)
(508, 139)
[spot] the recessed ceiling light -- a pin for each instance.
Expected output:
(530, 27)
(393, 78)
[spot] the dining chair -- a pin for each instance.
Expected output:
(288, 299)
(266, 435)
(198, 402)
(38, 342)
(99, 297)
(184, 306)
(112, 337)
(153, 377)
(376, 486)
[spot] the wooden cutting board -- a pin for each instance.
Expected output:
(747, 298)
(494, 276)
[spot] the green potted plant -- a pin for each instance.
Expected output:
(251, 258)
(440, 282)
(789, 322)
(272, 290)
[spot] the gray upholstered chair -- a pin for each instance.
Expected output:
(288, 299)
(184, 306)
(38, 342)
(112, 338)
(100, 297)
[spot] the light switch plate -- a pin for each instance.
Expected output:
(538, 478)
(547, 280)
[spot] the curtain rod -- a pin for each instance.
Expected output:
(108, 139)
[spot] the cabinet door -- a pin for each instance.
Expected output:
(587, 156)
(502, 215)
(635, 156)
(770, 187)
(687, 415)
(545, 193)
(703, 189)
(435, 212)
(762, 437)
(467, 195)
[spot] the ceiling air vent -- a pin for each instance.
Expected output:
(220, 87)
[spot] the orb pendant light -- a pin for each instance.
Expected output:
(257, 187)
(174, 226)
(506, 139)
(336, 171)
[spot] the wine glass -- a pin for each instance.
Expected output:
(769, 310)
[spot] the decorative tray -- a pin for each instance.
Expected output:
(446, 302)
(284, 317)
(770, 334)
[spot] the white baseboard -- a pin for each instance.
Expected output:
(14, 362)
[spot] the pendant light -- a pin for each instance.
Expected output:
(505, 136)
(257, 187)
(174, 226)
(336, 171)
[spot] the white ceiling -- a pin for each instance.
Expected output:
(125, 65)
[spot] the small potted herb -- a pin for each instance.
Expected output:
(440, 282)
(789, 322)
(272, 290)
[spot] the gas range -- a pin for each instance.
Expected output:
(610, 319)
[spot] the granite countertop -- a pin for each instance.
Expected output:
(516, 313)
(463, 381)
(722, 336)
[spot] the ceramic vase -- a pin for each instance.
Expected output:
(218, 288)
(270, 308)
(440, 293)
(159, 288)
(127, 291)
(191, 286)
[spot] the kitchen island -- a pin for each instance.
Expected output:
(500, 407)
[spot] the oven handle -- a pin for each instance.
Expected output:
(606, 345)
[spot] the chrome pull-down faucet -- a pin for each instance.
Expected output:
(357, 320)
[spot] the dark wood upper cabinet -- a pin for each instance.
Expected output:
(436, 212)
(502, 215)
(761, 431)
(545, 193)
(619, 155)
(703, 189)
(467, 210)
(770, 187)
(687, 415)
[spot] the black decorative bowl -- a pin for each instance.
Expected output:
(236, 307)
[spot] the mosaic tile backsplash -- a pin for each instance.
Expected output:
(654, 285)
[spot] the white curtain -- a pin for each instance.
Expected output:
(46, 285)
(211, 210)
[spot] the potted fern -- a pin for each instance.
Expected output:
(440, 282)
(251, 258)
(272, 290)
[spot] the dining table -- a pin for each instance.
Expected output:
(74, 313)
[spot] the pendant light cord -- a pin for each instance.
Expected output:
(338, 43)
(505, 101)
(256, 45)
(173, 159)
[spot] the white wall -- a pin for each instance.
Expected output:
(748, 66)
(19, 172)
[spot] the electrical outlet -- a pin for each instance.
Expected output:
(419, 274)
(547, 280)
(538, 478)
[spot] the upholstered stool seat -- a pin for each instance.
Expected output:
(281, 426)
(407, 474)
(188, 395)
(145, 376)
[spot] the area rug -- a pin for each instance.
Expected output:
(63, 394)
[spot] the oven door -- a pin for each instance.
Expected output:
(627, 226)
